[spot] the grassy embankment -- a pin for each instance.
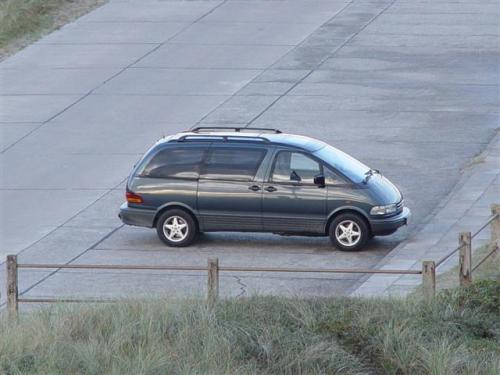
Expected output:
(24, 21)
(456, 334)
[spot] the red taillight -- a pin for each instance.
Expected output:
(133, 198)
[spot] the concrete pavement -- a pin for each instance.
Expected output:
(408, 87)
(466, 209)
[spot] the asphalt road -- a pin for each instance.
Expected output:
(408, 87)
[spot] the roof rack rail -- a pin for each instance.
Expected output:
(224, 138)
(201, 129)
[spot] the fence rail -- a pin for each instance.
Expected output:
(221, 268)
(67, 300)
(494, 249)
(494, 216)
(213, 269)
(113, 267)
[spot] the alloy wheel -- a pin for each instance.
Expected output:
(175, 229)
(348, 233)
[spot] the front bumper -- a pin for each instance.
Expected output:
(136, 216)
(388, 225)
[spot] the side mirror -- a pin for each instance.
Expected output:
(319, 180)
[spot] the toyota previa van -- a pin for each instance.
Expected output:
(259, 180)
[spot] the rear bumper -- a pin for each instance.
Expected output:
(385, 226)
(136, 216)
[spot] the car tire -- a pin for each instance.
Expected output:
(349, 232)
(176, 228)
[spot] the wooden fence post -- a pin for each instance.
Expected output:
(213, 281)
(12, 289)
(465, 258)
(429, 279)
(495, 223)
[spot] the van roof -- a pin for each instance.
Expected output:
(272, 136)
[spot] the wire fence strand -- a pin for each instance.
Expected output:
(495, 249)
(447, 256)
(484, 225)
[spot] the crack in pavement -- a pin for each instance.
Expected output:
(243, 287)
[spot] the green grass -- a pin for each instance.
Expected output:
(24, 21)
(456, 334)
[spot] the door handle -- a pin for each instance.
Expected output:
(270, 189)
(254, 188)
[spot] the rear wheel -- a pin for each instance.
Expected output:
(176, 228)
(349, 232)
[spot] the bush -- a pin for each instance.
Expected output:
(456, 334)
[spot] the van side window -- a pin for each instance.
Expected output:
(233, 164)
(333, 178)
(175, 162)
(295, 167)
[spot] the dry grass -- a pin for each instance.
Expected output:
(456, 334)
(22, 22)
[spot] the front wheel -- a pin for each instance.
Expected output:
(349, 232)
(176, 228)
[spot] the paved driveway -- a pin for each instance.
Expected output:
(408, 87)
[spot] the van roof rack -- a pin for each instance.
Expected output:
(224, 138)
(207, 129)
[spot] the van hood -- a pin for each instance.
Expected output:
(382, 190)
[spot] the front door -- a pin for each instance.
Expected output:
(291, 200)
(229, 196)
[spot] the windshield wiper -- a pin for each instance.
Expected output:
(370, 173)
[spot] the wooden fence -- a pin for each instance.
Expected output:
(428, 270)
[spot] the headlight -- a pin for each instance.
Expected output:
(384, 210)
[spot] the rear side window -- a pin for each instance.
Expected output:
(233, 163)
(175, 163)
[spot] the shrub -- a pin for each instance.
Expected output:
(455, 334)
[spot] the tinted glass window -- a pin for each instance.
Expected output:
(332, 177)
(175, 162)
(233, 164)
(347, 165)
(295, 167)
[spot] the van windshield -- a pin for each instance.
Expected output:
(347, 165)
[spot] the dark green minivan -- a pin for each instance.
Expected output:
(259, 180)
